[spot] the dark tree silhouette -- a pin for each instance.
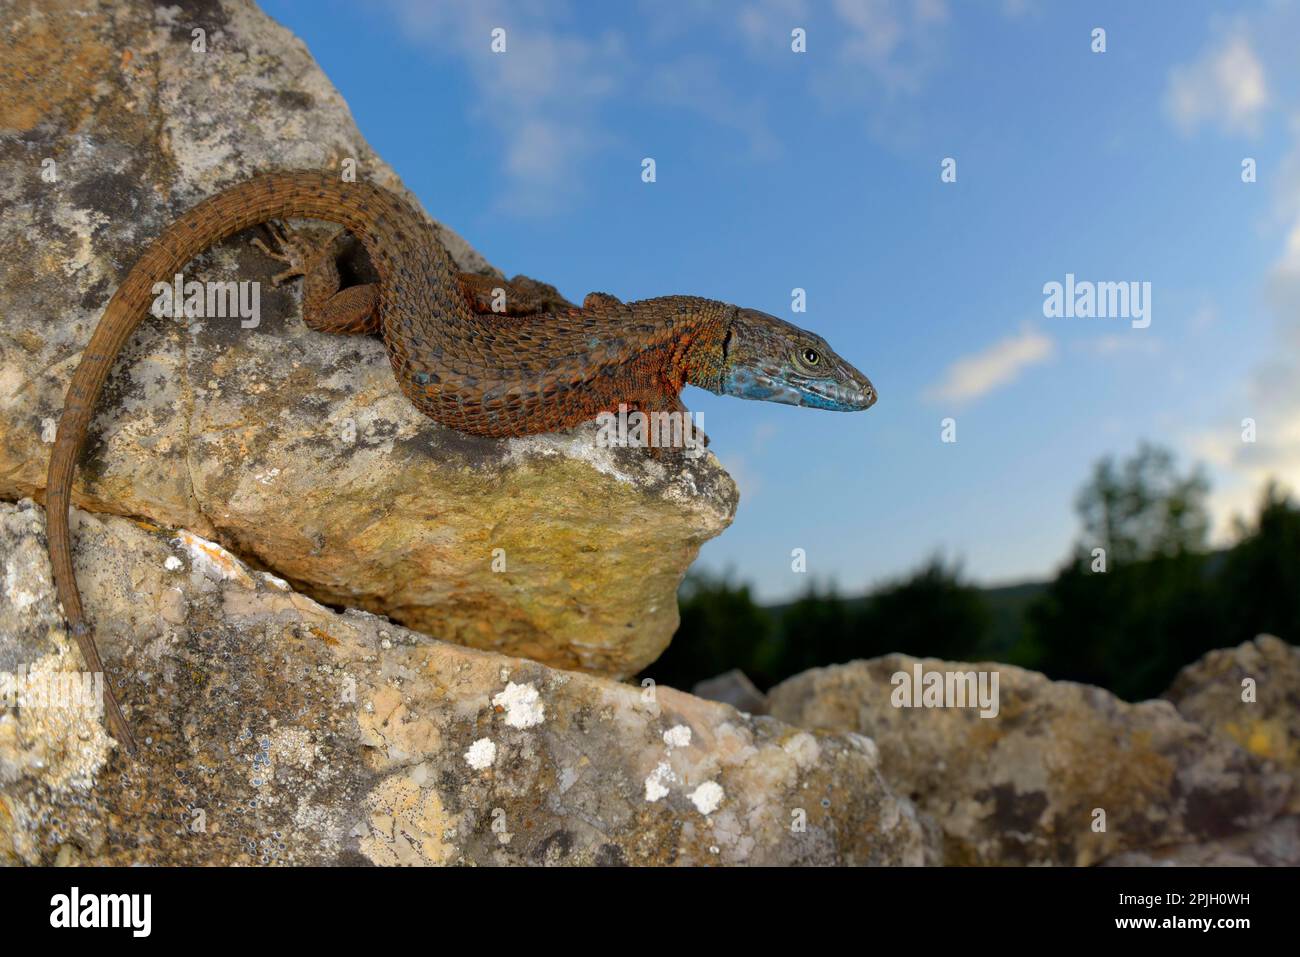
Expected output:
(1143, 508)
(1260, 580)
(1126, 619)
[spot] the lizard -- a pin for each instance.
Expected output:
(548, 367)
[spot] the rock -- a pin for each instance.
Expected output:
(1276, 844)
(1210, 692)
(291, 448)
(273, 729)
(1024, 787)
(734, 688)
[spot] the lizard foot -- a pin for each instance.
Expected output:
(292, 248)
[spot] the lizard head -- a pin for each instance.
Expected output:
(767, 358)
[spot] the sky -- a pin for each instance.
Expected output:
(823, 170)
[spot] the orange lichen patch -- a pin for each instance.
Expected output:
(323, 635)
(214, 559)
(47, 63)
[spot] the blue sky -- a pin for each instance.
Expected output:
(821, 170)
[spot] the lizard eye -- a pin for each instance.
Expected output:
(811, 357)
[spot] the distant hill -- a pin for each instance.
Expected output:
(1006, 605)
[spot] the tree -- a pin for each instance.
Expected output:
(1161, 601)
(931, 613)
(722, 627)
(1143, 508)
(1153, 608)
(818, 628)
(1260, 580)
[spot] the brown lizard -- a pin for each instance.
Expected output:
(548, 367)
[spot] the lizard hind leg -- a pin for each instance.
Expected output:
(521, 296)
(325, 307)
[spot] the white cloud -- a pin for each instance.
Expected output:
(547, 96)
(1225, 86)
(859, 51)
(1231, 86)
(1016, 9)
(1272, 399)
(1000, 364)
(892, 38)
(1116, 344)
(542, 95)
(696, 83)
(766, 24)
(1241, 472)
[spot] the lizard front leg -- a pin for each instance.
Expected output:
(671, 436)
(325, 307)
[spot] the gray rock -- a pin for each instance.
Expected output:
(734, 688)
(275, 730)
(1251, 695)
(1026, 786)
(1276, 844)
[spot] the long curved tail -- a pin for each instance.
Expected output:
(362, 208)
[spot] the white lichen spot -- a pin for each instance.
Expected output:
(707, 797)
(275, 581)
(580, 444)
(866, 745)
(289, 746)
(656, 783)
(49, 430)
(678, 736)
(213, 560)
(805, 750)
(481, 754)
(19, 597)
(266, 478)
(172, 563)
(890, 816)
(523, 705)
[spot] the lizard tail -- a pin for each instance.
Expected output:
(360, 207)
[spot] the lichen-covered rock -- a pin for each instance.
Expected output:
(1276, 844)
(275, 730)
(291, 448)
(1062, 774)
(1251, 695)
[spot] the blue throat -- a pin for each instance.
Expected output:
(744, 383)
